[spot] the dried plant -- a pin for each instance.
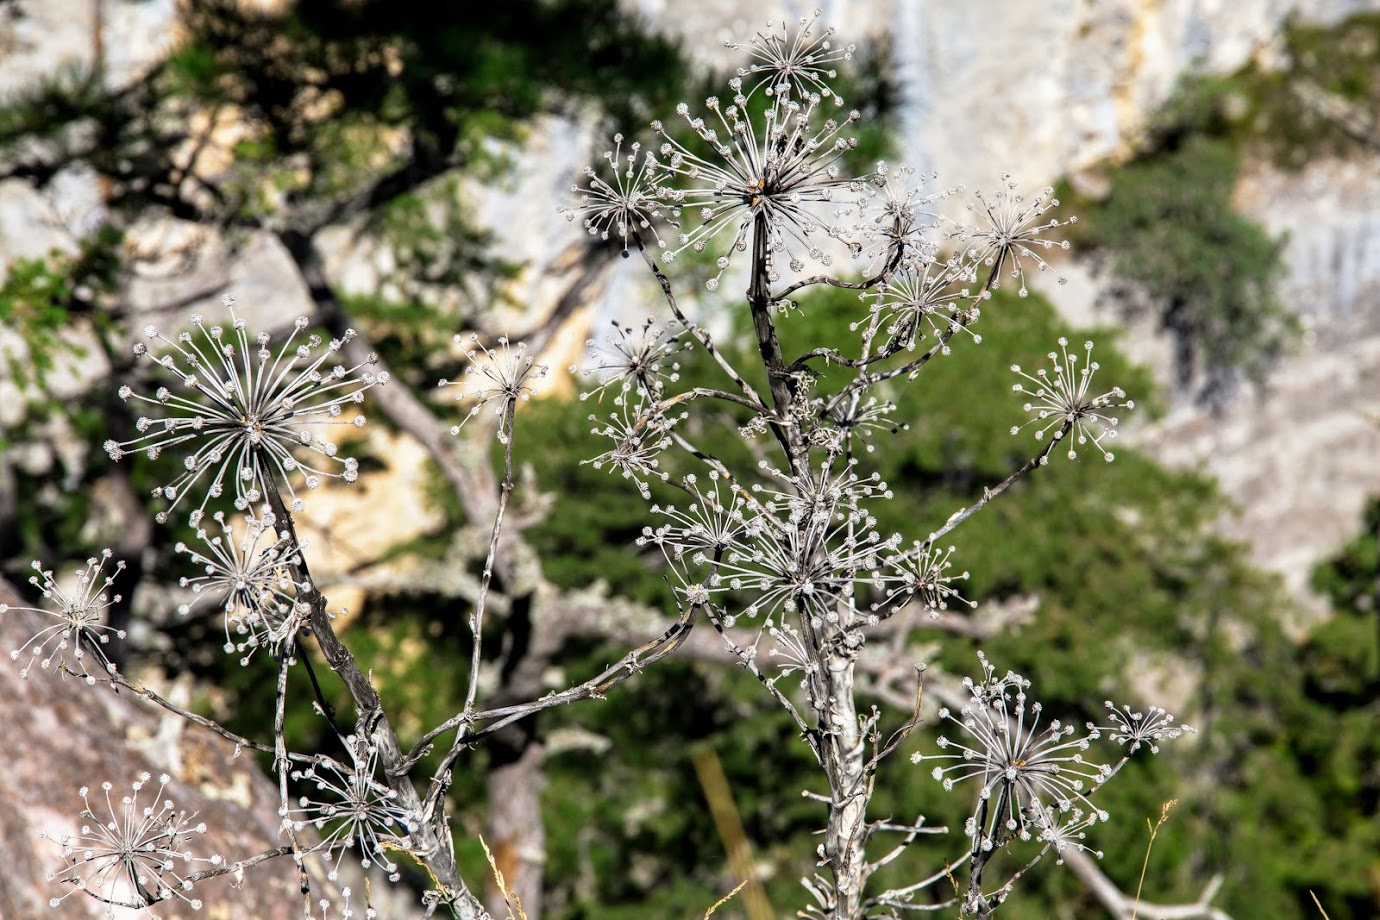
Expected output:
(784, 559)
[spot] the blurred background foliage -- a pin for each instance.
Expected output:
(373, 109)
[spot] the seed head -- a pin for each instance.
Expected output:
(799, 64)
(1063, 402)
(131, 855)
(246, 413)
(625, 202)
(80, 630)
(1007, 230)
(353, 808)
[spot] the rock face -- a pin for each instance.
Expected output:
(1299, 459)
(39, 38)
(1329, 212)
(1033, 89)
(64, 735)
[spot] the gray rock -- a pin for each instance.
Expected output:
(71, 735)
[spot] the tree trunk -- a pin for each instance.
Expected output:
(516, 835)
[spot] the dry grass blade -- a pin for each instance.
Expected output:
(515, 911)
(1154, 830)
(724, 900)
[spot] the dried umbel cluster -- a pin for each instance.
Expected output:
(245, 416)
(129, 854)
(785, 558)
(77, 629)
(1034, 779)
(245, 412)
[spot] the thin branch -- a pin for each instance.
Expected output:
(748, 659)
(240, 741)
(896, 897)
(594, 688)
(864, 285)
(899, 737)
(280, 766)
(698, 334)
(709, 393)
(962, 514)
(441, 779)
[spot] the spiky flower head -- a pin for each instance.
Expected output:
(640, 431)
(80, 628)
(923, 574)
(1063, 402)
(249, 575)
(623, 203)
(1134, 728)
(1027, 774)
(783, 168)
(897, 213)
(923, 292)
(641, 358)
(247, 413)
(797, 554)
(130, 855)
(719, 516)
(353, 809)
(852, 420)
(1008, 230)
(801, 64)
(498, 378)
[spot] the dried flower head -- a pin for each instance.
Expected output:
(716, 518)
(624, 203)
(641, 358)
(80, 628)
(1134, 729)
(500, 377)
(923, 574)
(897, 213)
(1064, 403)
(250, 576)
(923, 293)
(804, 551)
(356, 811)
(248, 412)
(1064, 831)
(1010, 230)
(799, 64)
(639, 433)
(1034, 783)
(785, 173)
(855, 419)
(132, 856)
(1028, 775)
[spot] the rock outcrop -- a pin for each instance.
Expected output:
(63, 735)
